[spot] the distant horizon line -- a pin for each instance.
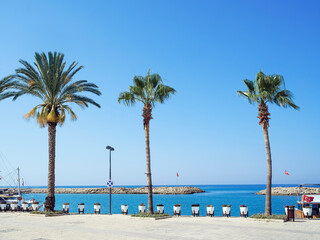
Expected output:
(142, 185)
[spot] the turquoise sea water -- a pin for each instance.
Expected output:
(216, 195)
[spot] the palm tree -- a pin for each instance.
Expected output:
(6, 84)
(267, 89)
(52, 83)
(148, 90)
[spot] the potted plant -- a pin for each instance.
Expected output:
(226, 210)
(210, 210)
(3, 206)
(243, 211)
(142, 208)
(195, 209)
(25, 206)
(81, 208)
(97, 207)
(35, 206)
(65, 207)
(124, 209)
(307, 211)
(177, 209)
(160, 208)
(14, 205)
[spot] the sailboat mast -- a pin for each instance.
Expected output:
(19, 193)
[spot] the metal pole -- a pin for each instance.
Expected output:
(110, 179)
(19, 193)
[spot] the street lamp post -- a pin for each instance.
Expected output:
(110, 149)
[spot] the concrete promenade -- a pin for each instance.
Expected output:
(25, 226)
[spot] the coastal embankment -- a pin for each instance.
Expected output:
(114, 190)
(288, 191)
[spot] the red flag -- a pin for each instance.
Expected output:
(285, 171)
(177, 174)
(306, 198)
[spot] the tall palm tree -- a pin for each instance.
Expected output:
(149, 90)
(6, 84)
(51, 82)
(267, 89)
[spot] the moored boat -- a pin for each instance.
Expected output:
(309, 205)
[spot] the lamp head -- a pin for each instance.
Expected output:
(110, 148)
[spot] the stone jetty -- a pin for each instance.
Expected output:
(114, 190)
(287, 191)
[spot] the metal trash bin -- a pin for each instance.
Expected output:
(290, 213)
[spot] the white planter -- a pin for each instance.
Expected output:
(243, 210)
(25, 206)
(124, 208)
(177, 210)
(97, 208)
(142, 208)
(195, 210)
(160, 209)
(65, 207)
(80, 207)
(3, 206)
(210, 210)
(307, 212)
(13, 206)
(35, 206)
(226, 210)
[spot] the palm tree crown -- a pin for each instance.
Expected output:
(267, 89)
(148, 90)
(52, 82)
(6, 84)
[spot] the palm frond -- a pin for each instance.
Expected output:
(284, 99)
(127, 98)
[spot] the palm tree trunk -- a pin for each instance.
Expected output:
(50, 199)
(264, 122)
(269, 172)
(147, 116)
(148, 162)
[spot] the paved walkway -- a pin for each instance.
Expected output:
(25, 226)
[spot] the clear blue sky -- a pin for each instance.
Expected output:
(204, 49)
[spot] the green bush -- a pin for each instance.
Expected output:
(274, 216)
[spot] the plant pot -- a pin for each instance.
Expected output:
(142, 209)
(25, 206)
(160, 209)
(195, 210)
(244, 211)
(307, 212)
(96, 208)
(65, 208)
(14, 206)
(124, 209)
(81, 208)
(3, 206)
(176, 210)
(35, 206)
(210, 211)
(226, 211)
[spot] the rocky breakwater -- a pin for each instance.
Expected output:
(287, 191)
(114, 190)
